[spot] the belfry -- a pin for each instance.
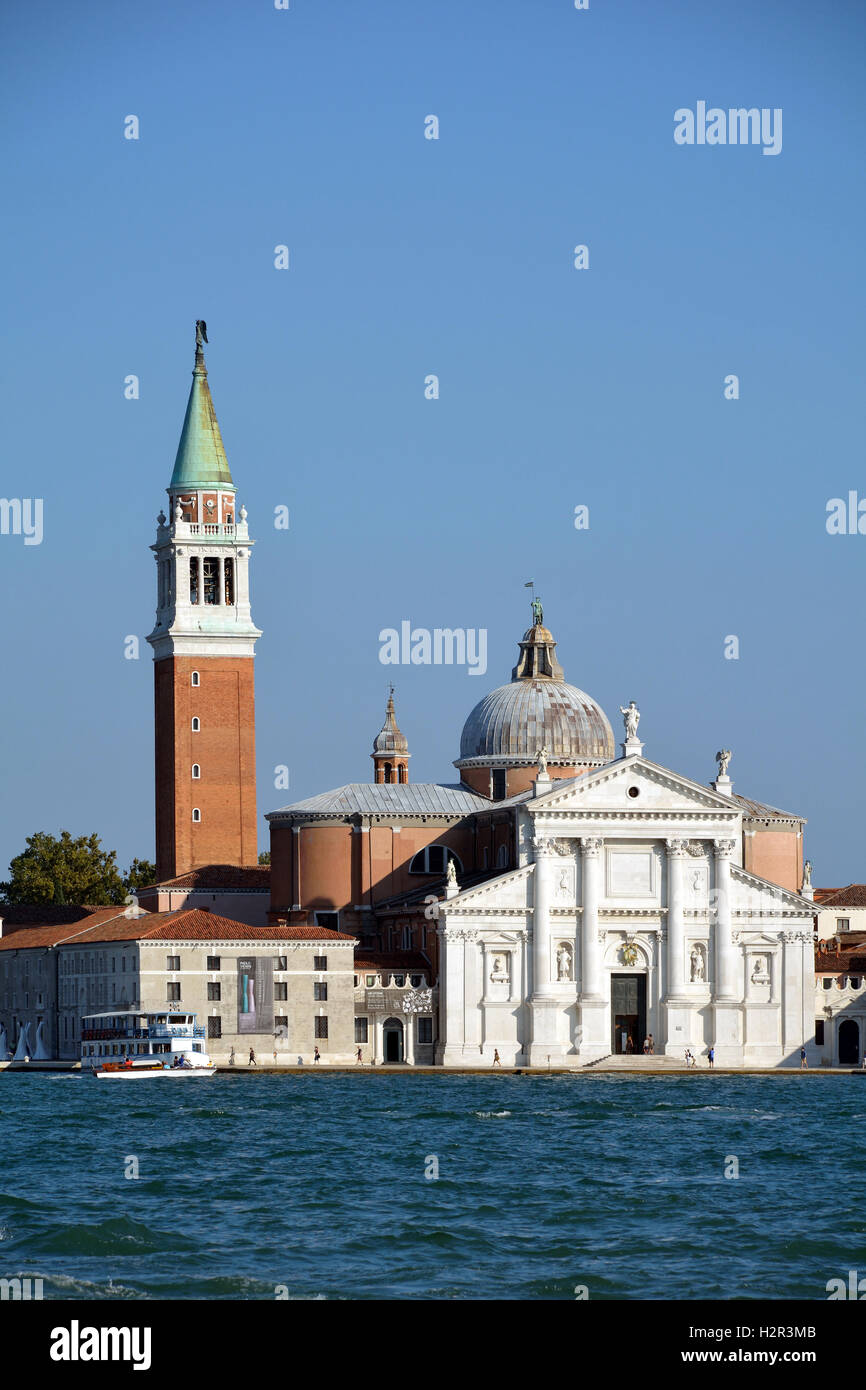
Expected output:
(203, 648)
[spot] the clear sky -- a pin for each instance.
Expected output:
(558, 388)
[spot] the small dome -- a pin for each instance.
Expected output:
(537, 709)
(389, 738)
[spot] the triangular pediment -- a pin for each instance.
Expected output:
(612, 788)
(752, 894)
(507, 890)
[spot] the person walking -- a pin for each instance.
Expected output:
(646, 1047)
(275, 1056)
(317, 1056)
(629, 1047)
(803, 1062)
(711, 1057)
(652, 1046)
(252, 1062)
(359, 1058)
(496, 1061)
(232, 1058)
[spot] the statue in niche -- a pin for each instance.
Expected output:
(563, 962)
(760, 975)
(499, 970)
(697, 880)
(631, 717)
(697, 963)
(723, 757)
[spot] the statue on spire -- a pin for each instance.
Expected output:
(537, 612)
(200, 333)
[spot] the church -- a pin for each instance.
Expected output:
(559, 902)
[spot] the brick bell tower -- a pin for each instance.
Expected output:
(203, 649)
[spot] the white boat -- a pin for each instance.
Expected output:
(133, 1045)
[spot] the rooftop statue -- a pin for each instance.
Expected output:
(723, 757)
(200, 332)
(537, 612)
(632, 719)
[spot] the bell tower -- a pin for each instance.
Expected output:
(203, 650)
(390, 749)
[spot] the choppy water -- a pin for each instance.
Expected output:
(318, 1183)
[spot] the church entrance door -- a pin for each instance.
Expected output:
(628, 1013)
(849, 1043)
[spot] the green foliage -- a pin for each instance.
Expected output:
(140, 874)
(265, 856)
(64, 870)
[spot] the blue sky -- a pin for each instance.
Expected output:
(410, 256)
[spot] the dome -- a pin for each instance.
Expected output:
(538, 708)
(389, 738)
(514, 721)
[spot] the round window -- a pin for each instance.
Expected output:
(634, 791)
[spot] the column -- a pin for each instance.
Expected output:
(676, 853)
(727, 986)
(409, 1038)
(590, 947)
(541, 918)
(221, 592)
(449, 1051)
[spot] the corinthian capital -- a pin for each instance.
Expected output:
(724, 848)
(543, 846)
(677, 849)
(590, 845)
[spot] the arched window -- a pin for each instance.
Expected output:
(434, 860)
(404, 773)
(196, 771)
(388, 772)
(193, 581)
(196, 724)
(485, 858)
(196, 814)
(502, 857)
(194, 679)
(229, 580)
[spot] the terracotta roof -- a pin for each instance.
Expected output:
(210, 876)
(48, 914)
(186, 924)
(850, 960)
(852, 896)
(401, 962)
(51, 933)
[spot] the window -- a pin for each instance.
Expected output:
(193, 592)
(500, 787)
(196, 724)
(320, 1029)
(819, 1031)
(281, 990)
(211, 580)
(502, 857)
(331, 920)
(854, 981)
(434, 860)
(172, 962)
(196, 772)
(843, 923)
(320, 991)
(361, 1030)
(485, 858)
(415, 981)
(399, 981)
(196, 814)
(281, 963)
(213, 962)
(213, 991)
(229, 580)
(215, 1027)
(827, 982)
(320, 962)
(195, 679)
(425, 1030)
(370, 981)
(172, 991)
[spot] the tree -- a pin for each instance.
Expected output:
(140, 874)
(64, 871)
(265, 856)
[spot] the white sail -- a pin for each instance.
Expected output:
(41, 1054)
(23, 1048)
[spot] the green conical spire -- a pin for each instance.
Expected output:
(201, 458)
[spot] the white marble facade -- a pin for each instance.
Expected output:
(629, 886)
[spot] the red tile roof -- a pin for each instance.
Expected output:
(187, 924)
(49, 914)
(252, 877)
(401, 962)
(852, 896)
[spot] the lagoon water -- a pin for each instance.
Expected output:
(317, 1183)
